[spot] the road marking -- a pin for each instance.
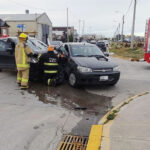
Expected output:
(105, 140)
(95, 136)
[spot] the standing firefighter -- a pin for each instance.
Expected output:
(22, 54)
(49, 64)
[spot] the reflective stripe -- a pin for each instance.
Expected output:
(46, 71)
(18, 78)
(24, 80)
(39, 56)
(48, 82)
(23, 57)
(51, 64)
(23, 65)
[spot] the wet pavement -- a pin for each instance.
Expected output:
(38, 117)
(90, 106)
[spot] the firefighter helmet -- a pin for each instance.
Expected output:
(50, 48)
(23, 36)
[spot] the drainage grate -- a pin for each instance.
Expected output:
(70, 142)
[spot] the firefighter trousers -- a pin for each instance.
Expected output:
(23, 77)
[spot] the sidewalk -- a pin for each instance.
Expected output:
(131, 128)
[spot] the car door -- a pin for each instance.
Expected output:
(7, 59)
(69, 64)
(62, 50)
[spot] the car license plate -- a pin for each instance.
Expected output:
(103, 78)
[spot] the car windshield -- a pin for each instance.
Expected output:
(102, 43)
(36, 45)
(85, 51)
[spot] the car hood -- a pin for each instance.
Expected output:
(93, 62)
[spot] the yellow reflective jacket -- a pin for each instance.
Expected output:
(21, 56)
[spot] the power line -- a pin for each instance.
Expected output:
(129, 8)
(125, 15)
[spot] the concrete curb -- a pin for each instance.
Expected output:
(105, 139)
(94, 141)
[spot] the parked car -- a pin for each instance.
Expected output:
(93, 42)
(86, 64)
(7, 51)
(102, 46)
(56, 44)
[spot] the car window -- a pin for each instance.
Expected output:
(3, 46)
(36, 45)
(62, 49)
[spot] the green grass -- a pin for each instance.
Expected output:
(128, 53)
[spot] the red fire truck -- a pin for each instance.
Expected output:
(147, 41)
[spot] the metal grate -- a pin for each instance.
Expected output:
(70, 142)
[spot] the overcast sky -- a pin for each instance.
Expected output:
(101, 16)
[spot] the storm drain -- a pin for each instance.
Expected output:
(70, 142)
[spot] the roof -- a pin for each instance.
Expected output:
(3, 23)
(19, 17)
(79, 43)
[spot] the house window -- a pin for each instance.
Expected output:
(4, 31)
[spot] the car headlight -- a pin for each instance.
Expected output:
(84, 69)
(116, 69)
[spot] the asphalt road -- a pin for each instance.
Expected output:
(134, 79)
(37, 118)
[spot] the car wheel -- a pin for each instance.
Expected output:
(72, 80)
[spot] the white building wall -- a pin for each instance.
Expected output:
(39, 28)
(30, 27)
(44, 19)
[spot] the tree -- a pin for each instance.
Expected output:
(71, 37)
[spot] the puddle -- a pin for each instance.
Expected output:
(90, 106)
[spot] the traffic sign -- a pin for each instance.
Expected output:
(22, 27)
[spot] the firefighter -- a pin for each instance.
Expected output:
(22, 54)
(49, 64)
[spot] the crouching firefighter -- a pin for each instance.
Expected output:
(49, 64)
(22, 54)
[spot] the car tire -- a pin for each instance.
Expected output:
(72, 80)
(0, 70)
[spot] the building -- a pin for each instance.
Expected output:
(35, 25)
(60, 33)
(3, 28)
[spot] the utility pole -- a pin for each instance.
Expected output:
(79, 26)
(133, 25)
(83, 27)
(67, 27)
(118, 32)
(122, 29)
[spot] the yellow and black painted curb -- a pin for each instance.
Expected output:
(99, 134)
(95, 136)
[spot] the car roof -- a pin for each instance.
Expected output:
(15, 40)
(78, 43)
